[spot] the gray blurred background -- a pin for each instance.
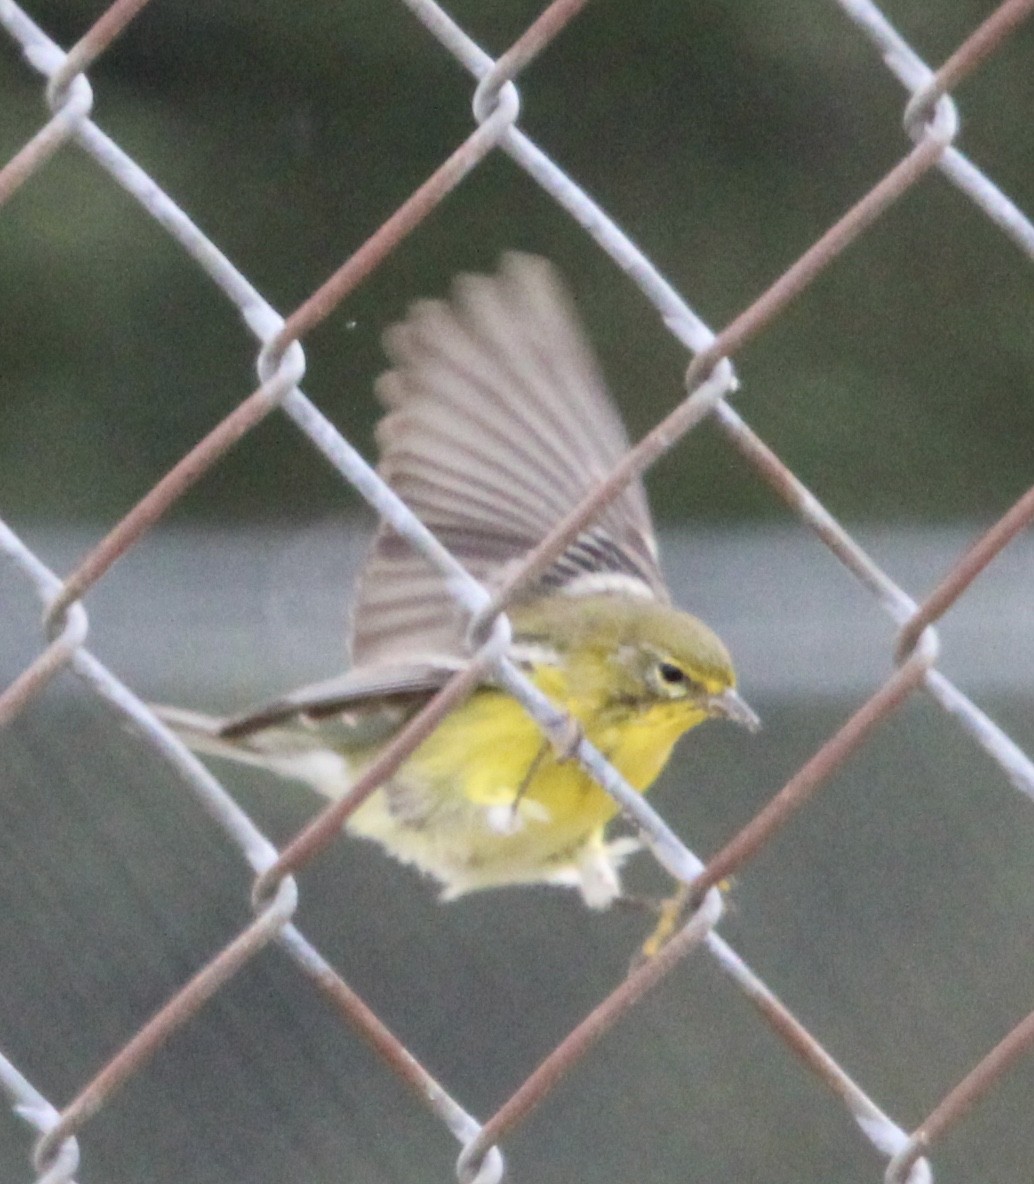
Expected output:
(893, 915)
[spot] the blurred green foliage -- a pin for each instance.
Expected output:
(725, 138)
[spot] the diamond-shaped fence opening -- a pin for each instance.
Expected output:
(154, 1102)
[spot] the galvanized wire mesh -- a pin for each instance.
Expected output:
(931, 122)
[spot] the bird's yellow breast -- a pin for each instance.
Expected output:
(486, 800)
(492, 753)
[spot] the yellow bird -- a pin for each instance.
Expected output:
(498, 422)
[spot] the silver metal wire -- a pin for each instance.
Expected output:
(930, 121)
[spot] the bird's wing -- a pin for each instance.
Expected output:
(355, 711)
(498, 424)
(347, 699)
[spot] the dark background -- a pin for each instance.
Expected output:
(723, 137)
(892, 915)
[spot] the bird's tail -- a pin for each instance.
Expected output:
(289, 751)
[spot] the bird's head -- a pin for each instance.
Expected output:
(634, 651)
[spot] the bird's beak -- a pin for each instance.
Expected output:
(730, 705)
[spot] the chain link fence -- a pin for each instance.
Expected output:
(931, 122)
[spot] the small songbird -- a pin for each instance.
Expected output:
(498, 423)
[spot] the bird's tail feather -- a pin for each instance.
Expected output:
(289, 751)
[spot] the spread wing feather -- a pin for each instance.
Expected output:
(498, 424)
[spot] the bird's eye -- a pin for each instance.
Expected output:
(671, 674)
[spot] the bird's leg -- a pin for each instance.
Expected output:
(563, 748)
(641, 904)
(528, 777)
(669, 911)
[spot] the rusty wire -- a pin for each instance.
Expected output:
(929, 118)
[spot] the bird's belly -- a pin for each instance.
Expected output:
(485, 800)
